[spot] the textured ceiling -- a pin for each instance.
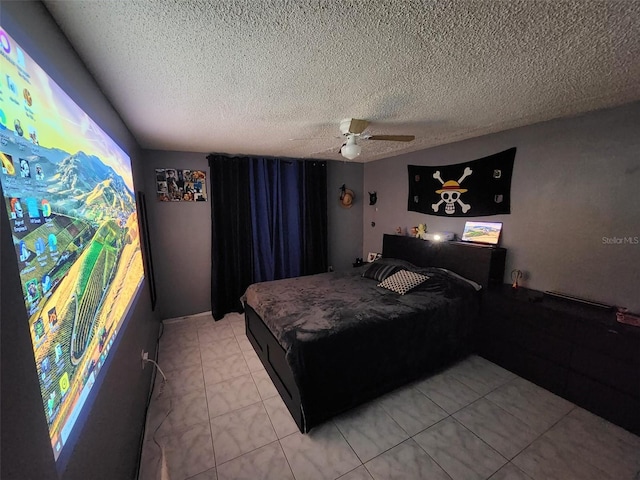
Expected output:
(247, 77)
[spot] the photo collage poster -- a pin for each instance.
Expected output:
(175, 185)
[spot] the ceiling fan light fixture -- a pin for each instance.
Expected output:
(351, 149)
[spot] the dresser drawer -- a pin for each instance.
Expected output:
(538, 370)
(614, 340)
(607, 370)
(611, 404)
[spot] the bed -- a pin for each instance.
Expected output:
(335, 340)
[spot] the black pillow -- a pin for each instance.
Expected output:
(379, 271)
(397, 262)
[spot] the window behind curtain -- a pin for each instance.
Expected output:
(269, 221)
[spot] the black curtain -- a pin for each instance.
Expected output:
(269, 221)
(315, 258)
(231, 243)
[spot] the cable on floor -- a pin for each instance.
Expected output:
(150, 397)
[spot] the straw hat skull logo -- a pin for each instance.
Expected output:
(450, 193)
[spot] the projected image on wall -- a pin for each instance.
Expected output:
(68, 191)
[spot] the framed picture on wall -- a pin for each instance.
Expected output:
(177, 185)
(373, 256)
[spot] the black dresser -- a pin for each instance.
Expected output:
(577, 351)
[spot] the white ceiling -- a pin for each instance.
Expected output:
(246, 77)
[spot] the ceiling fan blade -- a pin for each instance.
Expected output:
(393, 138)
(357, 126)
(310, 138)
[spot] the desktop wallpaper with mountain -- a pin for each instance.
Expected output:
(68, 190)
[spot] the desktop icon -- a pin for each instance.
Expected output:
(40, 246)
(53, 243)
(24, 251)
(64, 383)
(4, 41)
(11, 85)
(7, 164)
(53, 317)
(45, 365)
(32, 207)
(33, 136)
(46, 208)
(3, 120)
(46, 283)
(17, 127)
(51, 402)
(32, 290)
(20, 58)
(25, 171)
(26, 94)
(16, 208)
(58, 351)
(38, 329)
(39, 173)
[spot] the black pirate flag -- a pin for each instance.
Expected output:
(478, 188)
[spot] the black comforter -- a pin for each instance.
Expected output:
(348, 340)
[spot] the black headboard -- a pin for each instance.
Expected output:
(482, 264)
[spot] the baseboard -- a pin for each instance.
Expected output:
(187, 317)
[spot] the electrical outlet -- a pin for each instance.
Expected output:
(144, 356)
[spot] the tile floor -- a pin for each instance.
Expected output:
(475, 420)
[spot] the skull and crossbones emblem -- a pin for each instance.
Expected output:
(450, 193)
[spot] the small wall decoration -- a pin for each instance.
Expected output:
(176, 185)
(478, 188)
(346, 197)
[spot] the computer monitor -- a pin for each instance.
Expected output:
(482, 232)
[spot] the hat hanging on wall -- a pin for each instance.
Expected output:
(346, 197)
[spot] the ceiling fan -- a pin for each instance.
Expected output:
(352, 128)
